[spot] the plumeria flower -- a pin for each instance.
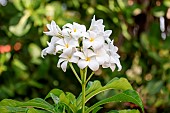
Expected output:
(92, 48)
(93, 39)
(87, 58)
(67, 56)
(107, 34)
(76, 30)
(51, 49)
(97, 25)
(66, 43)
(101, 56)
(114, 58)
(54, 29)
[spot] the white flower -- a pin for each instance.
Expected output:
(54, 29)
(92, 48)
(3, 2)
(101, 56)
(65, 57)
(87, 58)
(93, 39)
(97, 25)
(66, 43)
(51, 49)
(114, 58)
(107, 34)
(76, 30)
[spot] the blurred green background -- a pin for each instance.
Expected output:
(141, 30)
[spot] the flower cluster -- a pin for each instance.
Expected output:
(75, 44)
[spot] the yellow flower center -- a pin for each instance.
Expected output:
(74, 30)
(87, 59)
(66, 45)
(91, 39)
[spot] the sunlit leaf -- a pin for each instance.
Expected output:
(115, 83)
(56, 92)
(36, 103)
(19, 64)
(125, 96)
(22, 27)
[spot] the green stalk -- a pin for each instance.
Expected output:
(84, 74)
(89, 77)
(74, 71)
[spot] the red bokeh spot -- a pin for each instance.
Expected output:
(17, 46)
(5, 48)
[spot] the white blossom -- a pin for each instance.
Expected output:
(97, 25)
(66, 43)
(75, 30)
(94, 40)
(54, 30)
(65, 57)
(92, 48)
(51, 49)
(87, 58)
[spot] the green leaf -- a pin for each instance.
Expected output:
(115, 83)
(96, 109)
(124, 111)
(70, 103)
(36, 103)
(32, 110)
(126, 96)
(18, 5)
(22, 27)
(8, 109)
(92, 86)
(56, 92)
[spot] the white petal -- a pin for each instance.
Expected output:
(60, 61)
(98, 42)
(79, 54)
(68, 25)
(93, 65)
(107, 33)
(112, 67)
(73, 43)
(86, 43)
(49, 26)
(89, 53)
(82, 64)
(61, 42)
(74, 59)
(43, 52)
(64, 66)
(59, 48)
(54, 39)
(50, 49)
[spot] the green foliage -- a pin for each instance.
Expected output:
(68, 102)
(8, 105)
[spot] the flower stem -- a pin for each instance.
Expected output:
(83, 97)
(75, 73)
(89, 77)
(84, 74)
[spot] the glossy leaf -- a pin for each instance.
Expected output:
(125, 96)
(56, 92)
(115, 83)
(36, 103)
